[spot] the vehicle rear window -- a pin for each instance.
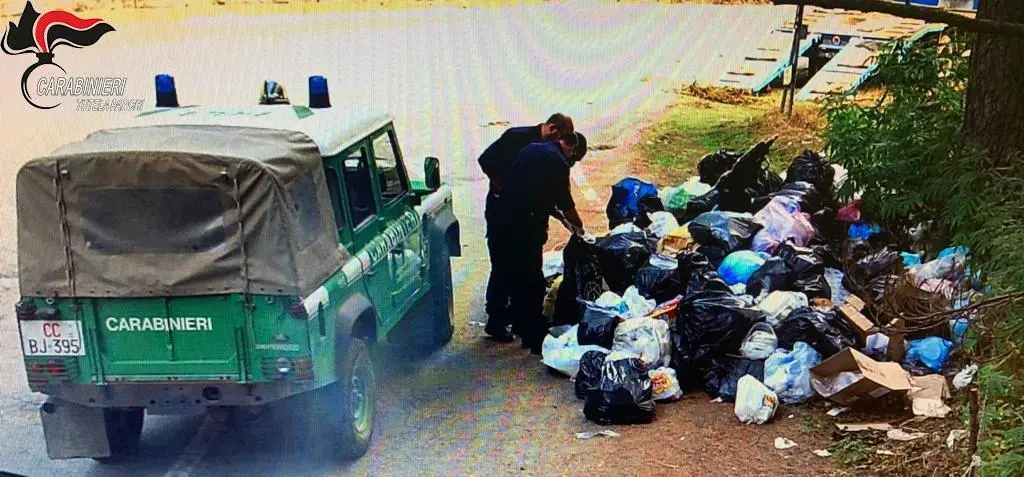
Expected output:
(120, 221)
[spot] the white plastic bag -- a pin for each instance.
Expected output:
(553, 263)
(563, 353)
(666, 385)
(662, 223)
(646, 338)
(788, 373)
(636, 305)
(778, 304)
(833, 384)
(625, 228)
(755, 403)
(760, 342)
(834, 277)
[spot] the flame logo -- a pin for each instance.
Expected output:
(40, 34)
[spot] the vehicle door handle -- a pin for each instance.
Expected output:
(371, 272)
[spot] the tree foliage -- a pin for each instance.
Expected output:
(908, 158)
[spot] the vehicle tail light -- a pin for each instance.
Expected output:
(288, 369)
(42, 372)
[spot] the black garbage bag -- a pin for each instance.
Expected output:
(582, 279)
(621, 257)
(810, 167)
(712, 166)
(805, 194)
(806, 270)
(597, 326)
(747, 180)
(624, 395)
(773, 275)
(829, 230)
(658, 283)
(647, 206)
(822, 328)
(624, 203)
(870, 267)
(590, 372)
(727, 231)
(698, 205)
(709, 325)
(697, 275)
(720, 380)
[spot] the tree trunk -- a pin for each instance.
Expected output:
(994, 109)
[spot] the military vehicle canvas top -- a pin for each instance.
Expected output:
(245, 254)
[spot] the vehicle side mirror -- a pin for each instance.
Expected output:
(432, 173)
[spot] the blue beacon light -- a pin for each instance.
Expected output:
(166, 93)
(319, 97)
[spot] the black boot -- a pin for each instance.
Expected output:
(498, 333)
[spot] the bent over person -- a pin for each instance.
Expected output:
(496, 162)
(537, 189)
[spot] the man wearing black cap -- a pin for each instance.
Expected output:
(496, 162)
(537, 188)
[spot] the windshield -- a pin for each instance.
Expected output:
(122, 221)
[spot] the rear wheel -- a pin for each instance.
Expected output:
(355, 399)
(124, 429)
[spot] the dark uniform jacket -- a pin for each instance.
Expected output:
(496, 161)
(537, 184)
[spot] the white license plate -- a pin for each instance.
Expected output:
(52, 338)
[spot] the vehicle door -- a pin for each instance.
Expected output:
(356, 170)
(403, 227)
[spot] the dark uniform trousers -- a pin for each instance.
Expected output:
(500, 247)
(526, 280)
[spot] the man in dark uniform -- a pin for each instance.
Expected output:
(537, 188)
(496, 162)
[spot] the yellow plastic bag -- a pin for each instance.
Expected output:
(676, 241)
(552, 295)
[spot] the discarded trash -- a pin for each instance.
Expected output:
(624, 394)
(625, 228)
(563, 353)
(807, 270)
(782, 221)
(822, 453)
(676, 241)
(821, 328)
(849, 213)
(928, 394)
(954, 437)
(877, 346)
(810, 167)
(621, 256)
(901, 435)
(878, 379)
(725, 231)
(965, 377)
(884, 452)
(779, 304)
(910, 259)
(931, 352)
(646, 338)
(677, 198)
(662, 223)
(755, 403)
(836, 411)
(781, 443)
(879, 426)
(597, 327)
(593, 434)
(589, 373)
(772, 276)
(760, 342)
(840, 294)
(863, 231)
(722, 379)
(788, 374)
(553, 264)
(707, 328)
(626, 203)
(739, 266)
(666, 386)
(636, 305)
(712, 166)
(860, 323)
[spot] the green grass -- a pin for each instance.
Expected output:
(850, 451)
(696, 127)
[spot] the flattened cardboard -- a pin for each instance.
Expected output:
(871, 426)
(927, 398)
(879, 378)
(855, 302)
(897, 342)
(861, 323)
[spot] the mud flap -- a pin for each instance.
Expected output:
(73, 430)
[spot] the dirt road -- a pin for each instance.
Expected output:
(474, 408)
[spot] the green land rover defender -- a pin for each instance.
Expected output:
(225, 258)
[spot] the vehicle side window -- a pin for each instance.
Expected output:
(335, 192)
(307, 209)
(358, 186)
(393, 182)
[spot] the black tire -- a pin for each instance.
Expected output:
(355, 399)
(124, 429)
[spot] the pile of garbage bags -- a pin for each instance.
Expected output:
(738, 283)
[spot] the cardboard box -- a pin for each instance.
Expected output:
(861, 323)
(897, 341)
(855, 302)
(879, 378)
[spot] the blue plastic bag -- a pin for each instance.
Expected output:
(863, 231)
(788, 373)
(739, 266)
(624, 204)
(933, 352)
(910, 259)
